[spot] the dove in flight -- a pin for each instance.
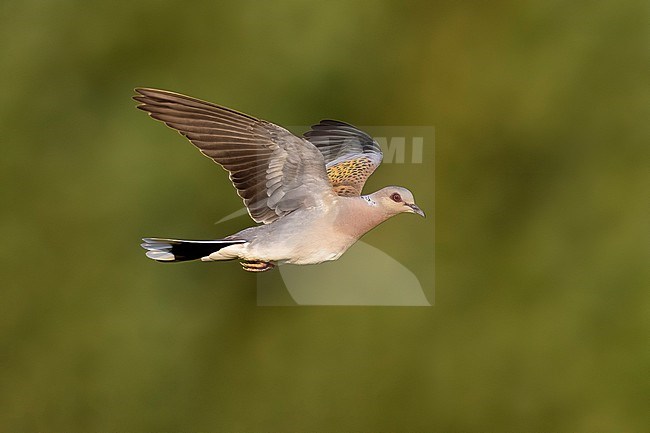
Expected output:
(304, 191)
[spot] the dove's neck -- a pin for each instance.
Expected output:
(360, 215)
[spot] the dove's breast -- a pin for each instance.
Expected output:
(306, 236)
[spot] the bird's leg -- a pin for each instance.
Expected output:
(256, 266)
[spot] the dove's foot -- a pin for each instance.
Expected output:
(251, 266)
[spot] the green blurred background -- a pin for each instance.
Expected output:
(541, 316)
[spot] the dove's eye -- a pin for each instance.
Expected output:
(396, 197)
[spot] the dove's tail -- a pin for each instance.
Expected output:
(174, 250)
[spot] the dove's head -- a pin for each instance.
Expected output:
(395, 199)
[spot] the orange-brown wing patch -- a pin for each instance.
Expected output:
(350, 154)
(347, 177)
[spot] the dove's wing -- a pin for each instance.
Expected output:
(274, 171)
(351, 155)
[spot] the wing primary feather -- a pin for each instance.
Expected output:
(262, 159)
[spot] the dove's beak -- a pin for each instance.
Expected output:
(416, 209)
